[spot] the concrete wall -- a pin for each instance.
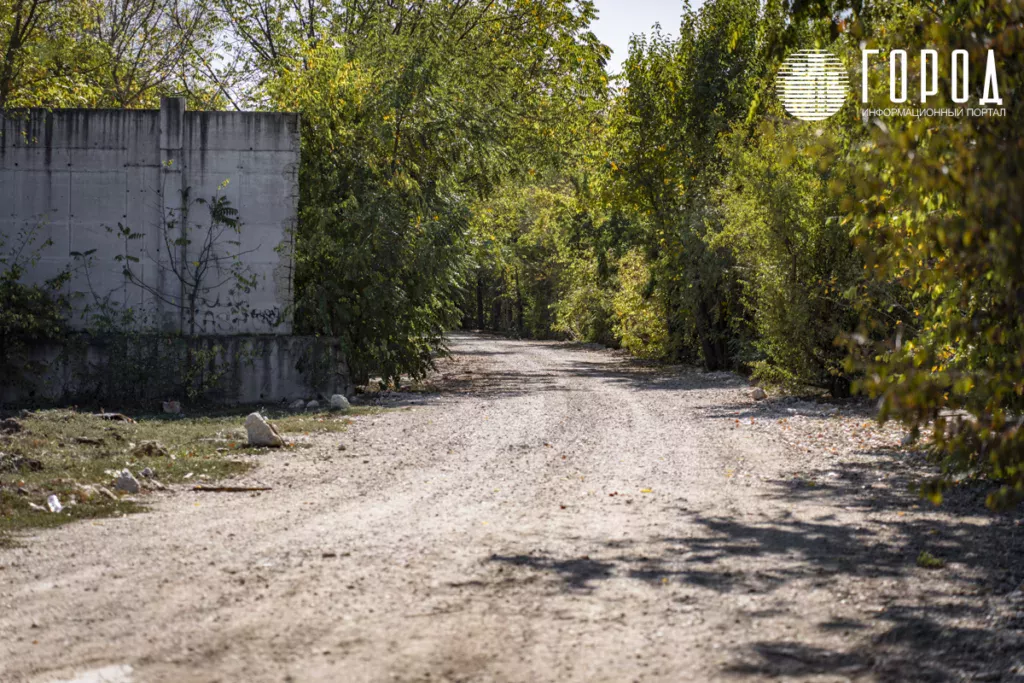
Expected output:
(74, 175)
(128, 371)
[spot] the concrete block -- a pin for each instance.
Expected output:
(248, 131)
(272, 162)
(172, 112)
(35, 158)
(206, 186)
(98, 196)
(94, 159)
(77, 173)
(39, 196)
(225, 163)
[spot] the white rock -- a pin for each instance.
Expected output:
(297, 404)
(53, 502)
(313, 405)
(758, 394)
(127, 482)
(261, 432)
(339, 402)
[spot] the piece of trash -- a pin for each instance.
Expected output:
(39, 508)
(53, 502)
(645, 490)
(230, 489)
(115, 417)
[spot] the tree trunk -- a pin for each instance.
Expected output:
(479, 300)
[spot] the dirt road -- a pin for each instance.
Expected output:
(554, 513)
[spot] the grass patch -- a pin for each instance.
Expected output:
(70, 454)
(929, 561)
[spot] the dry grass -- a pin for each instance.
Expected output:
(63, 452)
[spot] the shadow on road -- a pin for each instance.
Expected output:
(962, 622)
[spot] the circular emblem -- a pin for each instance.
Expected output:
(812, 84)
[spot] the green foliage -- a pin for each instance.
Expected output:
(639, 313)
(798, 267)
(400, 135)
(30, 315)
(926, 560)
(938, 208)
(108, 53)
(668, 129)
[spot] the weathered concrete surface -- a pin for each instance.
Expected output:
(248, 369)
(74, 175)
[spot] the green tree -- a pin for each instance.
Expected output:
(939, 211)
(799, 268)
(682, 97)
(401, 139)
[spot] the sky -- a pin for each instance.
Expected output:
(619, 19)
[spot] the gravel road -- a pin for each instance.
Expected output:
(551, 513)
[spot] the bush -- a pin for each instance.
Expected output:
(30, 315)
(798, 265)
(640, 316)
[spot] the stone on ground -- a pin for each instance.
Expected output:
(126, 482)
(339, 402)
(261, 432)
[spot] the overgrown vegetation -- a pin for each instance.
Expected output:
(470, 162)
(29, 314)
(872, 255)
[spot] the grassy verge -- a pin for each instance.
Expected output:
(76, 455)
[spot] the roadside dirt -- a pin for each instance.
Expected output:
(554, 513)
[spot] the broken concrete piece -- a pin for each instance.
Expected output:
(126, 482)
(261, 432)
